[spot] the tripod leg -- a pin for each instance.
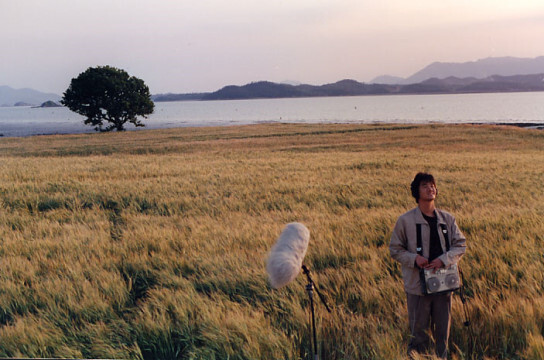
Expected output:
(310, 288)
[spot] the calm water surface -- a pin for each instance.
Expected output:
(459, 108)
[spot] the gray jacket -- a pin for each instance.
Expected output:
(404, 243)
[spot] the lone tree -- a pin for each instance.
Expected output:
(105, 93)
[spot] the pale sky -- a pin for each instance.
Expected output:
(185, 46)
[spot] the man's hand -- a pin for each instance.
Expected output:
(421, 262)
(435, 264)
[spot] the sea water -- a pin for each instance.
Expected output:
(527, 107)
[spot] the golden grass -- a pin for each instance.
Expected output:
(152, 244)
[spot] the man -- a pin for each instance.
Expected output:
(426, 310)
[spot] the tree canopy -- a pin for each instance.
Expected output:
(105, 93)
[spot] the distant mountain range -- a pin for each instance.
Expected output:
(479, 69)
(504, 74)
(449, 85)
(24, 97)
(501, 74)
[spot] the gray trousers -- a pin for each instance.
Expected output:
(429, 311)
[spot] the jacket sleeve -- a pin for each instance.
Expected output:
(398, 246)
(457, 248)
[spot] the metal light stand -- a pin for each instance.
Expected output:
(310, 287)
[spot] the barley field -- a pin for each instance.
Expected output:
(153, 244)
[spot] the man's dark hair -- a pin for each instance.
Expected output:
(420, 177)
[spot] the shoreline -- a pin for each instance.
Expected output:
(524, 125)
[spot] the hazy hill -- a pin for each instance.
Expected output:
(495, 83)
(483, 68)
(10, 96)
(388, 79)
(505, 66)
(49, 104)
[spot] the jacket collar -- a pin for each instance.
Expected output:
(421, 220)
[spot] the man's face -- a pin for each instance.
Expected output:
(427, 191)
